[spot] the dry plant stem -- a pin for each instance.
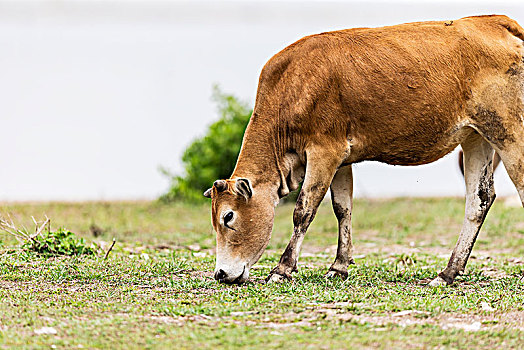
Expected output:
(9, 227)
(36, 223)
(110, 248)
(40, 229)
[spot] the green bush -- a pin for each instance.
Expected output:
(212, 156)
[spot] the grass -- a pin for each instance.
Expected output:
(156, 289)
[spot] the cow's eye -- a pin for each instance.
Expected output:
(228, 217)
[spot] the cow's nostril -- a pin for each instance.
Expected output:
(220, 275)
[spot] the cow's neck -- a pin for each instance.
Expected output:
(265, 161)
(259, 159)
(256, 162)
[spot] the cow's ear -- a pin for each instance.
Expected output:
(243, 188)
(220, 185)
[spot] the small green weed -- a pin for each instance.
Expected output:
(60, 242)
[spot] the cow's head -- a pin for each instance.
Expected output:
(242, 217)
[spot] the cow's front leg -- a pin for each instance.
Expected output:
(480, 194)
(319, 173)
(342, 200)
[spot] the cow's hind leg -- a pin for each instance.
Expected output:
(342, 200)
(496, 161)
(513, 158)
(480, 194)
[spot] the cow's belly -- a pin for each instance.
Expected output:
(414, 157)
(407, 149)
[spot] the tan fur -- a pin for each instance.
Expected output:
(405, 94)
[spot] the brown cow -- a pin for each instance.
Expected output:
(406, 95)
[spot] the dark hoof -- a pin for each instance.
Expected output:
(337, 274)
(277, 275)
(437, 282)
(443, 279)
(277, 278)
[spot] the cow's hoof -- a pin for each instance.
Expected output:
(439, 281)
(337, 274)
(276, 278)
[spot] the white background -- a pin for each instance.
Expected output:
(94, 96)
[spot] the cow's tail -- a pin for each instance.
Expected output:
(504, 21)
(511, 25)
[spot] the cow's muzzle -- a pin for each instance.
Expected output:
(223, 277)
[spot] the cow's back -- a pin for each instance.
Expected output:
(378, 87)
